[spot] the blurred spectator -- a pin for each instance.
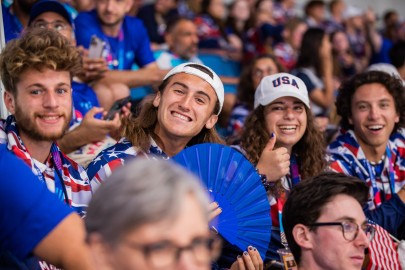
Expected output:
(356, 32)
(124, 47)
(391, 22)
(156, 212)
(268, 31)
(182, 39)
(89, 135)
(211, 30)
(155, 17)
(283, 10)
(15, 17)
(343, 58)
(239, 26)
(315, 13)
(335, 22)
(397, 57)
(251, 76)
(315, 68)
(287, 51)
(188, 8)
(379, 44)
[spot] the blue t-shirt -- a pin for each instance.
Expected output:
(131, 46)
(28, 212)
(12, 25)
(84, 97)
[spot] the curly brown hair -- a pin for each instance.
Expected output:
(37, 49)
(310, 149)
(139, 129)
(346, 91)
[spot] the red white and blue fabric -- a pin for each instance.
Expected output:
(237, 119)
(346, 156)
(76, 182)
(115, 156)
(285, 55)
(382, 251)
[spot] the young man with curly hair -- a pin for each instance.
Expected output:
(371, 146)
(37, 71)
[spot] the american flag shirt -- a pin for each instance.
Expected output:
(346, 156)
(75, 179)
(115, 156)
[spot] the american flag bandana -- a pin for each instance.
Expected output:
(346, 156)
(75, 180)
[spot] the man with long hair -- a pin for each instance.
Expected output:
(182, 113)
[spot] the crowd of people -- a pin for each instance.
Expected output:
(316, 103)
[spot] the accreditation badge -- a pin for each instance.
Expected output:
(287, 259)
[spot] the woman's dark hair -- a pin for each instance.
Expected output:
(309, 55)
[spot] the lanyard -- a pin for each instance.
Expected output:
(59, 182)
(295, 179)
(118, 62)
(391, 177)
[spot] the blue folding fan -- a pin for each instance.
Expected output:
(234, 184)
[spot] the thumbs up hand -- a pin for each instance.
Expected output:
(274, 163)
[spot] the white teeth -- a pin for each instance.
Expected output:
(288, 127)
(181, 116)
(375, 127)
(50, 117)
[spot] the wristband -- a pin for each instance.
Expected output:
(263, 179)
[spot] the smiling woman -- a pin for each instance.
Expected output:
(281, 139)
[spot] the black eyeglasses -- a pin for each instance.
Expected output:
(350, 229)
(164, 254)
(56, 25)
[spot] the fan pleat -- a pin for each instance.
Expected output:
(234, 184)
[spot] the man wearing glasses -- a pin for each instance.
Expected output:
(325, 224)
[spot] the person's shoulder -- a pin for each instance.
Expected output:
(146, 9)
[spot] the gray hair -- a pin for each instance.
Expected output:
(142, 192)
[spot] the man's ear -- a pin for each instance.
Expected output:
(350, 120)
(9, 101)
(211, 121)
(156, 99)
(302, 236)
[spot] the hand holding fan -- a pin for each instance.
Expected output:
(234, 184)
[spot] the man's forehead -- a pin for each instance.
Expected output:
(189, 80)
(342, 206)
(50, 15)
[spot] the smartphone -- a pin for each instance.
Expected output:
(116, 107)
(96, 48)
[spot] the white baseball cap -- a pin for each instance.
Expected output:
(280, 85)
(214, 81)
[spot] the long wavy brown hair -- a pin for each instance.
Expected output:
(138, 130)
(310, 149)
